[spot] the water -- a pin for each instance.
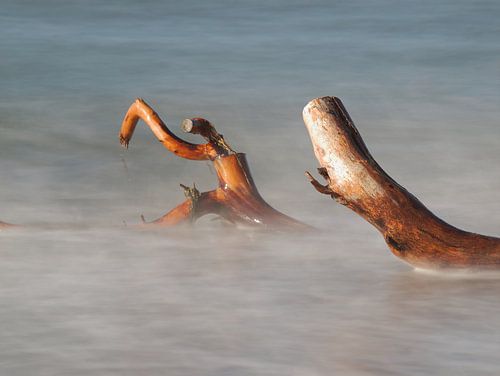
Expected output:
(80, 294)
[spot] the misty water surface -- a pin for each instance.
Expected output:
(82, 294)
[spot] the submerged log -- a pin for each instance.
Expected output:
(354, 179)
(236, 199)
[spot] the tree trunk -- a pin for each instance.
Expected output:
(354, 179)
(236, 198)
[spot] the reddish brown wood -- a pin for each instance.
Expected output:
(236, 198)
(354, 178)
(4, 225)
(141, 110)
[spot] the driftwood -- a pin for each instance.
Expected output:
(236, 199)
(4, 225)
(354, 179)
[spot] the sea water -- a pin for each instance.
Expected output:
(84, 293)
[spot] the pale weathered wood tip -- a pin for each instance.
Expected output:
(187, 125)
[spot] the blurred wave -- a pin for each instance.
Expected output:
(82, 294)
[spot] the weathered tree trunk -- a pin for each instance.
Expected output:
(236, 199)
(354, 179)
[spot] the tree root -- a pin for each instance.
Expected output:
(236, 198)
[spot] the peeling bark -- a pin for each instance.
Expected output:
(236, 198)
(353, 178)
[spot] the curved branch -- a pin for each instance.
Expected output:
(355, 179)
(141, 110)
(191, 209)
(236, 200)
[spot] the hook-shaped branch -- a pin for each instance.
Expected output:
(141, 110)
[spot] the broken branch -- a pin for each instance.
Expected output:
(412, 232)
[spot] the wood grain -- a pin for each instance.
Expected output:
(412, 232)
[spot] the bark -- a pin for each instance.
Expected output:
(236, 198)
(354, 179)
